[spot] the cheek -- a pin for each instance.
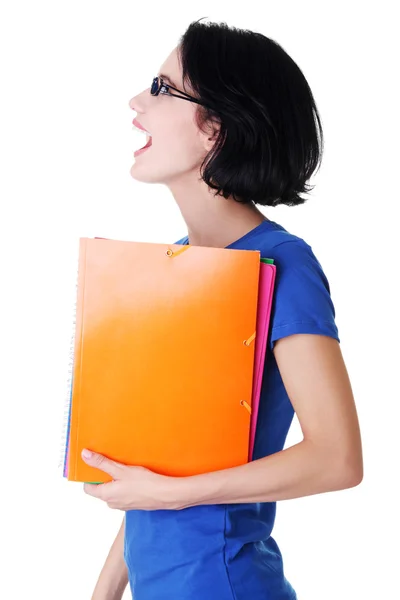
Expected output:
(179, 146)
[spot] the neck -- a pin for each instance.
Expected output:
(212, 221)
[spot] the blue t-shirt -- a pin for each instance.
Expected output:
(226, 551)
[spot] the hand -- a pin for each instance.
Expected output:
(132, 487)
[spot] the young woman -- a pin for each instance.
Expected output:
(233, 124)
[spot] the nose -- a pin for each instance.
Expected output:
(138, 102)
(133, 104)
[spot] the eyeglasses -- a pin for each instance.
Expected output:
(160, 87)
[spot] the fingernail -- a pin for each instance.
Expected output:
(86, 453)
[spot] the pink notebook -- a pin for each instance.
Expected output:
(265, 295)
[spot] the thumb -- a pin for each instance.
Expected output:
(94, 459)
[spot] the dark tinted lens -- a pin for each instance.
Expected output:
(154, 86)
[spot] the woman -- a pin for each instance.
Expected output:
(248, 133)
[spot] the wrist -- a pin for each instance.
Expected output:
(183, 492)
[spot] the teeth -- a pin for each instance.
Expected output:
(141, 130)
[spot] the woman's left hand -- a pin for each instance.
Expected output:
(132, 487)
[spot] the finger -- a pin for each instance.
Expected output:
(111, 467)
(93, 489)
(103, 491)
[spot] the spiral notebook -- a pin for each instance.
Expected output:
(163, 357)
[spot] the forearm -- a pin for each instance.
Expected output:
(113, 578)
(301, 470)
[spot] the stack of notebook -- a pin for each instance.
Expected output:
(167, 356)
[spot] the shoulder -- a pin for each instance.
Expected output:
(286, 248)
(293, 256)
(302, 297)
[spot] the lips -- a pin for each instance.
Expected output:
(139, 126)
(148, 143)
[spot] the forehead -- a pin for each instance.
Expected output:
(170, 70)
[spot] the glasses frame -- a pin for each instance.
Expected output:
(164, 88)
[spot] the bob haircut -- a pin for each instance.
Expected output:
(270, 137)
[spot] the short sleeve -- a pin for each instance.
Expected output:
(302, 301)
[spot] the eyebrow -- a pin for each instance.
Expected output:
(167, 79)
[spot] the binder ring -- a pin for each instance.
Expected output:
(244, 403)
(251, 338)
(183, 248)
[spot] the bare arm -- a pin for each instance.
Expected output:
(113, 578)
(329, 458)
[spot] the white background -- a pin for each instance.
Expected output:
(68, 70)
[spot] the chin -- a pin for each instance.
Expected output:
(142, 174)
(148, 174)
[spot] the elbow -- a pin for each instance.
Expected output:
(350, 472)
(351, 478)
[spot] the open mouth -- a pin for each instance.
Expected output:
(145, 148)
(148, 143)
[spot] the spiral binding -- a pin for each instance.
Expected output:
(68, 395)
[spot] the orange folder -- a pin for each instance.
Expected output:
(163, 357)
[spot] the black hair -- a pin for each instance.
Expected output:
(270, 140)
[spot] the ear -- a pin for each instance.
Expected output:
(210, 134)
